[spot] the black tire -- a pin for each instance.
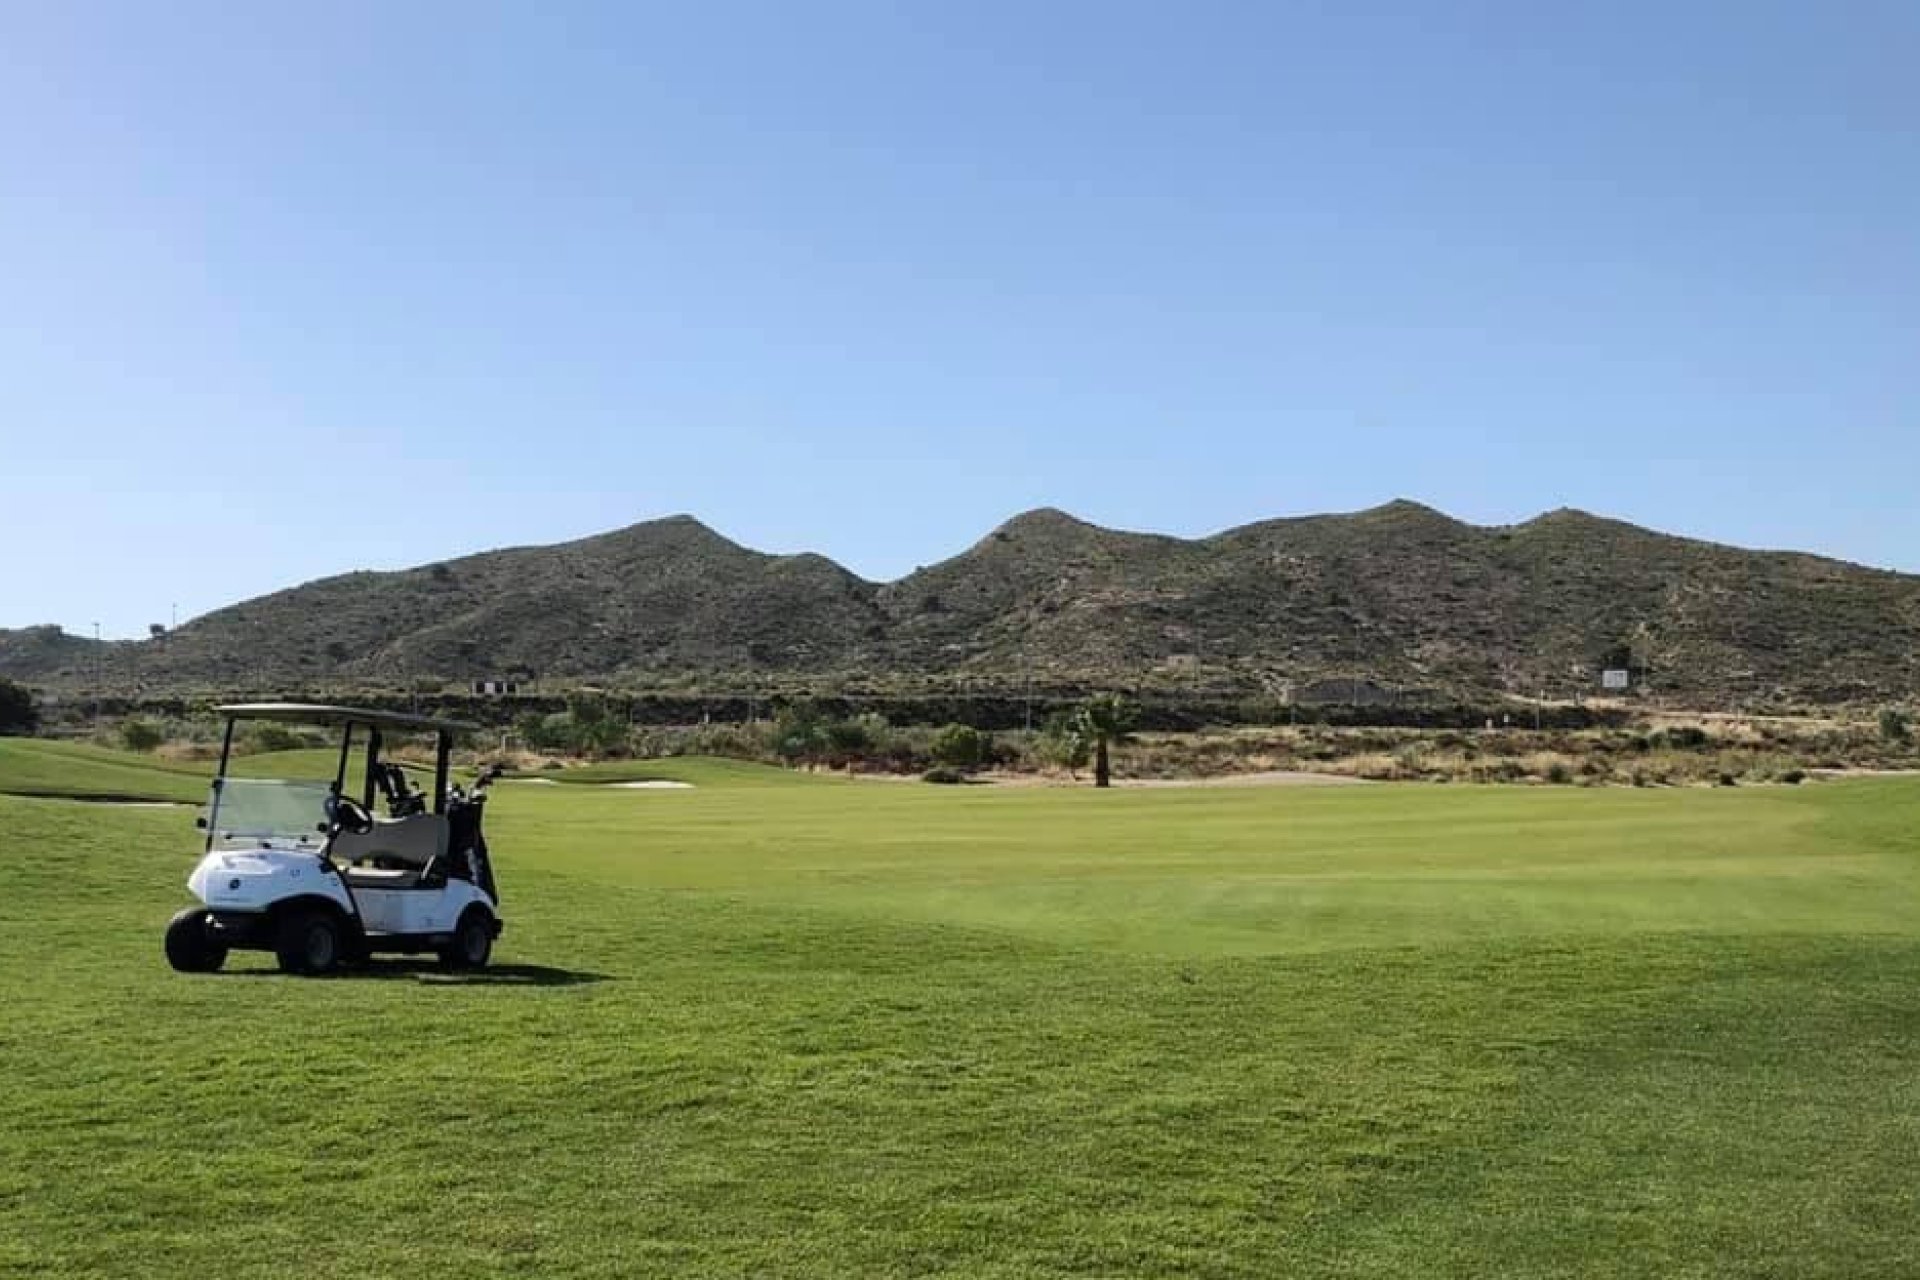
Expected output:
(189, 947)
(310, 941)
(472, 944)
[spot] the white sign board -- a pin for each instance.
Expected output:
(1616, 678)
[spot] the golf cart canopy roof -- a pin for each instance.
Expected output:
(322, 713)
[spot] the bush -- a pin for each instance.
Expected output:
(587, 727)
(594, 726)
(547, 733)
(961, 746)
(1794, 777)
(1683, 738)
(849, 739)
(863, 738)
(18, 712)
(1062, 744)
(797, 735)
(275, 737)
(140, 734)
(1410, 760)
(944, 775)
(1895, 726)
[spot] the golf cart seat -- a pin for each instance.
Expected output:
(399, 849)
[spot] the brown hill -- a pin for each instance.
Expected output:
(1401, 595)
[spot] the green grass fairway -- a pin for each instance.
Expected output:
(696, 770)
(887, 1030)
(36, 767)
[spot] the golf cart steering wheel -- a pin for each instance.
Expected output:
(351, 816)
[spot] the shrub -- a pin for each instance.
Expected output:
(1559, 774)
(961, 746)
(587, 727)
(864, 737)
(547, 733)
(1683, 738)
(797, 735)
(18, 712)
(1895, 726)
(739, 741)
(1794, 777)
(1410, 760)
(847, 739)
(140, 734)
(275, 737)
(594, 727)
(944, 775)
(1062, 745)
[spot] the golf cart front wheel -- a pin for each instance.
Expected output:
(472, 944)
(190, 948)
(310, 942)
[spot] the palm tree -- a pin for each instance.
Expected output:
(1106, 719)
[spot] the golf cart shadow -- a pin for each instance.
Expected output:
(494, 975)
(427, 970)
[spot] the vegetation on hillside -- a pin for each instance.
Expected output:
(1367, 607)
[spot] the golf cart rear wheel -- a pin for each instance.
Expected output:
(472, 944)
(309, 941)
(190, 949)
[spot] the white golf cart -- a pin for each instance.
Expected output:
(308, 872)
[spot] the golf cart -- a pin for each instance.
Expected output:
(307, 871)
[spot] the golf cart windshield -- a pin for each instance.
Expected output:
(245, 811)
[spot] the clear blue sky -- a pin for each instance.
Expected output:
(287, 290)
